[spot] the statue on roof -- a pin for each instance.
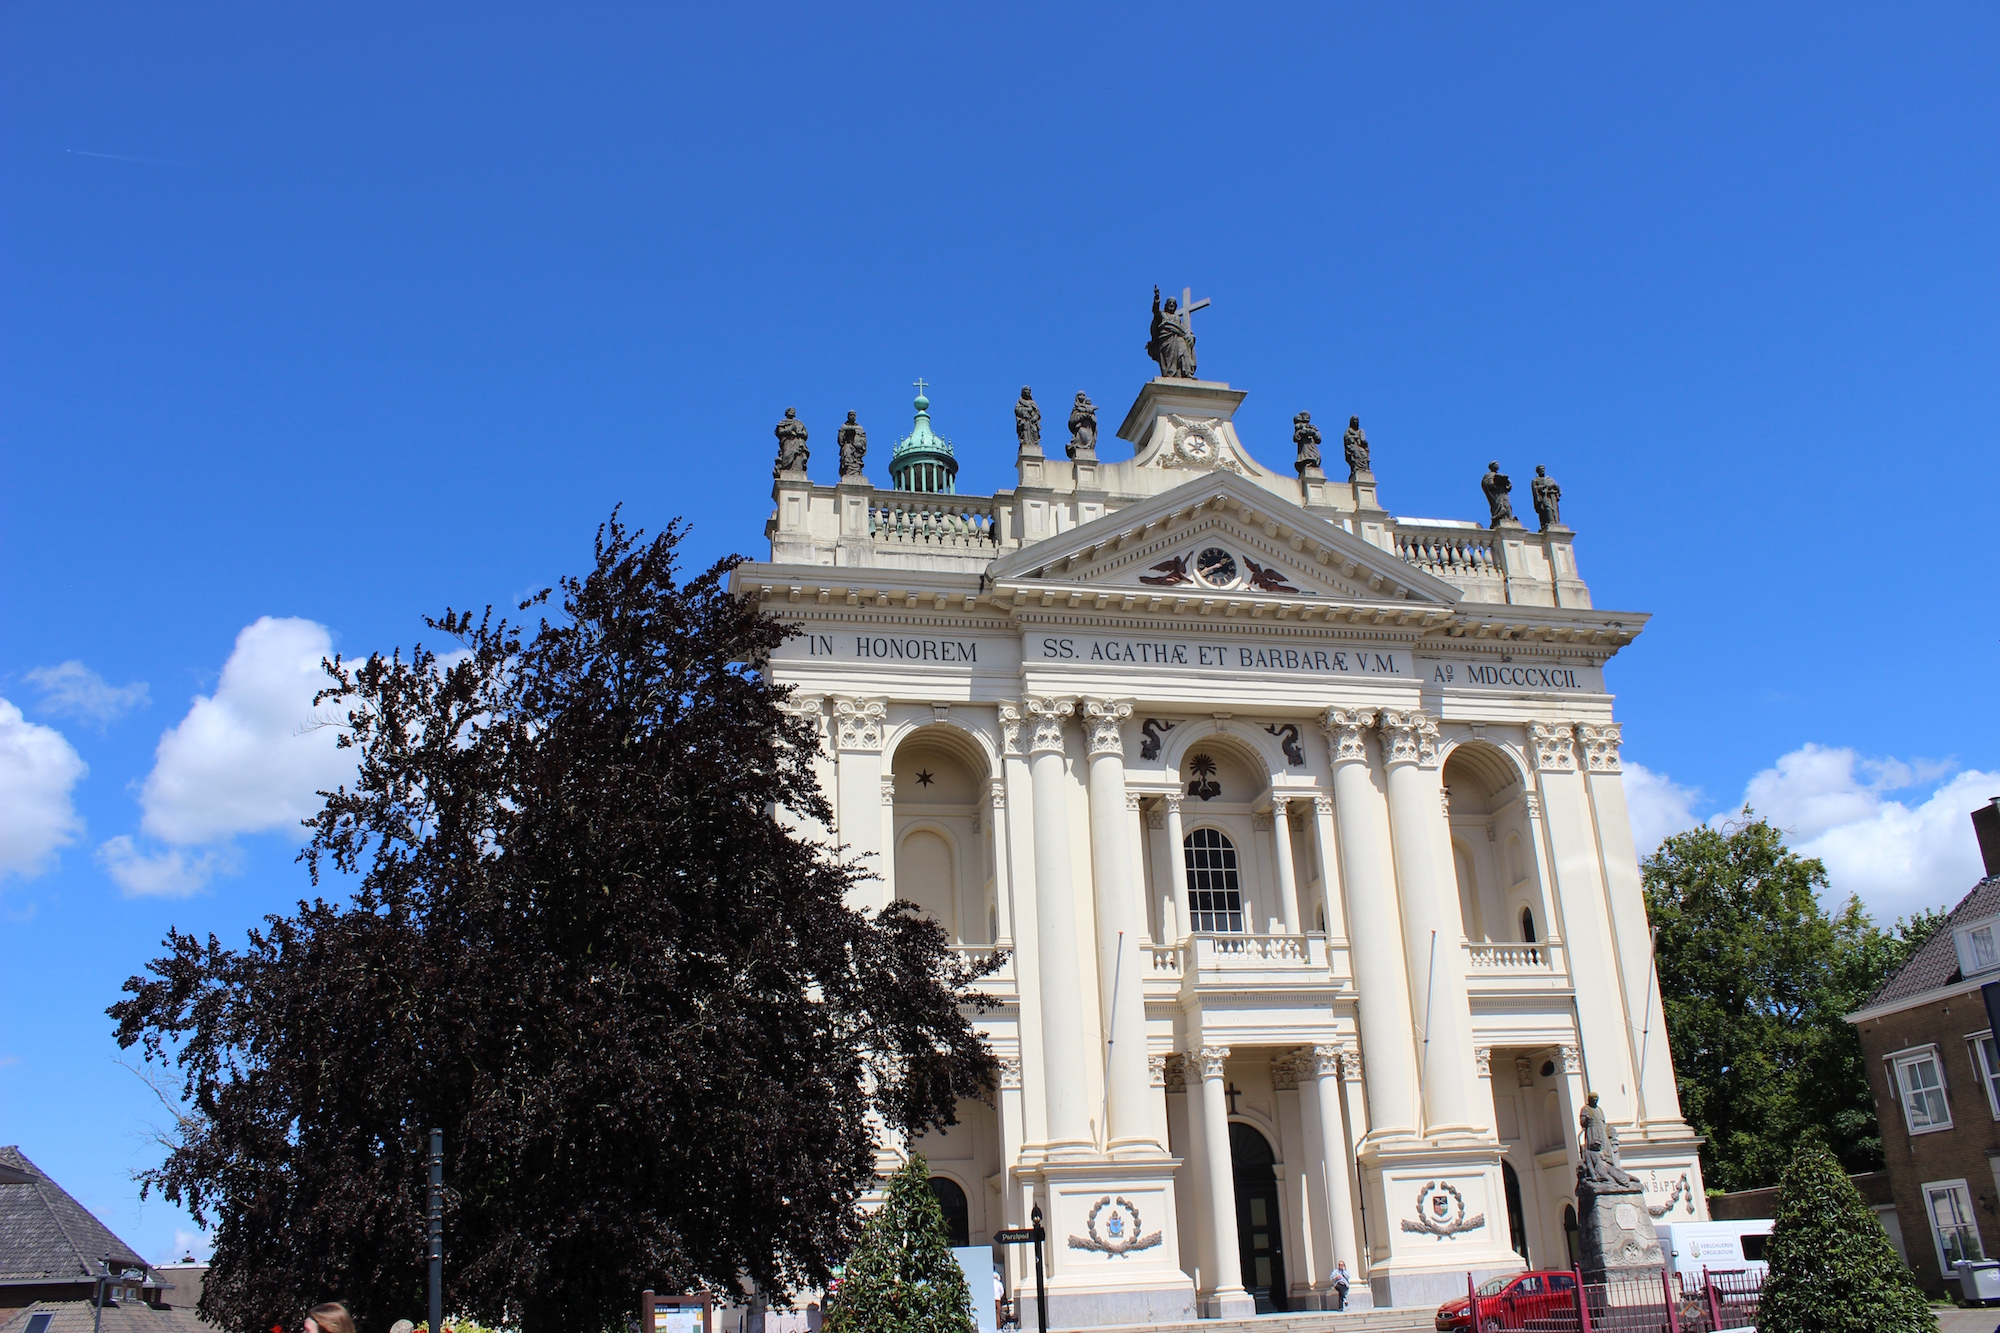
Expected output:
(1028, 422)
(1548, 498)
(853, 442)
(1306, 436)
(1499, 496)
(1172, 340)
(1083, 428)
(1355, 443)
(791, 433)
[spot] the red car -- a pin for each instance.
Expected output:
(1536, 1300)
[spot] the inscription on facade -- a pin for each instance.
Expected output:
(1532, 677)
(892, 646)
(1304, 659)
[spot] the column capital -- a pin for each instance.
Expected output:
(858, 722)
(1156, 1067)
(1173, 1073)
(1569, 1059)
(1482, 1060)
(1010, 1072)
(1600, 746)
(1409, 736)
(1208, 1060)
(888, 789)
(1532, 803)
(1322, 805)
(1173, 800)
(1010, 727)
(1553, 745)
(1133, 800)
(1346, 731)
(1350, 1063)
(996, 792)
(1049, 715)
(1285, 1074)
(1326, 1060)
(1103, 719)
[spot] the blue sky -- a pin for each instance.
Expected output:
(316, 319)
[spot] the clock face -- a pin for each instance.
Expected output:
(1216, 566)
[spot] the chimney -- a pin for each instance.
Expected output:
(1986, 823)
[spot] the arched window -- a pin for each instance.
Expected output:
(1527, 925)
(957, 1216)
(1215, 890)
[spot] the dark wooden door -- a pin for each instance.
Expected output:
(1259, 1235)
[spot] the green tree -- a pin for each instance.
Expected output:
(637, 1002)
(901, 1277)
(1755, 976)
(1833, 1269)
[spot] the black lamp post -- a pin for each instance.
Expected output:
(437, 1231)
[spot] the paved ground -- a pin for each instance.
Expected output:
(1969, 1321)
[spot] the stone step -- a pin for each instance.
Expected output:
(1409, 1319)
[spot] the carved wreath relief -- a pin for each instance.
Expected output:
(1124, 1234)
(1441, 1212)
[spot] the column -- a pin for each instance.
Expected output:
(1128, 1111)
(1609, 1048)
(1135, 857)
(1329, 872)
(1353, 1090)
(1317, 1209)
(1065, 1043)
(858, 727)
(1009, 1106)
(1334, 1158)
(1027, 959)
(1431, 929)
(1177, 861)
(1301, 1222)
(1384, 1015)
(1193, 1206)
(1230, 1297)
(1658, 1097)
(1288, 885)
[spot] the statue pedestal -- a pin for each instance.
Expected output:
(1614, 1234)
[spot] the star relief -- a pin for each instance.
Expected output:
(925, 777)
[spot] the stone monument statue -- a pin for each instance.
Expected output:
(1355, 443)
(791, 433)
(1083, 428)
(1499, 496)
(1615, 1234)
(853, 441)
(1172, 341)
(1306, 436)
(1028, 421)
(1548, 498)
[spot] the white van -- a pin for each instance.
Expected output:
(1720, 1247)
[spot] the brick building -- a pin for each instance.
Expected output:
(1934, 1069)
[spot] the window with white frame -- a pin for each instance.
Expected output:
(1978, 949)
(1949, 1204)
(1986, 1059)
(1920, 1084)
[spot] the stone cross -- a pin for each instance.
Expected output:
(919, 382)
(1188, 306)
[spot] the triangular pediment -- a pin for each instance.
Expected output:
(1222, 536)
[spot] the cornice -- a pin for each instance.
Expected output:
(1950, 990)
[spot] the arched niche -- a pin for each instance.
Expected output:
(938, 776)
(1491, 841)
(1258, 752)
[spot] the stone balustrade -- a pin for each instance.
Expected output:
(1462, 554)
(902, 520)
(1485, 955)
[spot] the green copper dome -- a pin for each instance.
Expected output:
(924, 460)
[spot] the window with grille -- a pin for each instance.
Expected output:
(1215, 889)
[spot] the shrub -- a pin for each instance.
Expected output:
(1833, 1269)
(901, 1277)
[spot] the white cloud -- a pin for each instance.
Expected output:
(37, 769)
(1895, 832)
(188, 1244)
(73, 689)
(248, 758)
(1659, 806)
(174, 872)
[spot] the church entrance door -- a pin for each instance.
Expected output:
(1259, 1238)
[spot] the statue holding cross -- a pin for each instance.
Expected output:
(1172, 341)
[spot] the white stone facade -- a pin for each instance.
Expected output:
(1060, 718)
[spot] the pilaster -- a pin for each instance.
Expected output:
(858, 728)
(1066, 1041)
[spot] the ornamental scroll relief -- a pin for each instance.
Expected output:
(1125, 1236)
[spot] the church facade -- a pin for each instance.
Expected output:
(1300, 827)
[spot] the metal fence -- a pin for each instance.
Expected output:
(1712, 1303)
